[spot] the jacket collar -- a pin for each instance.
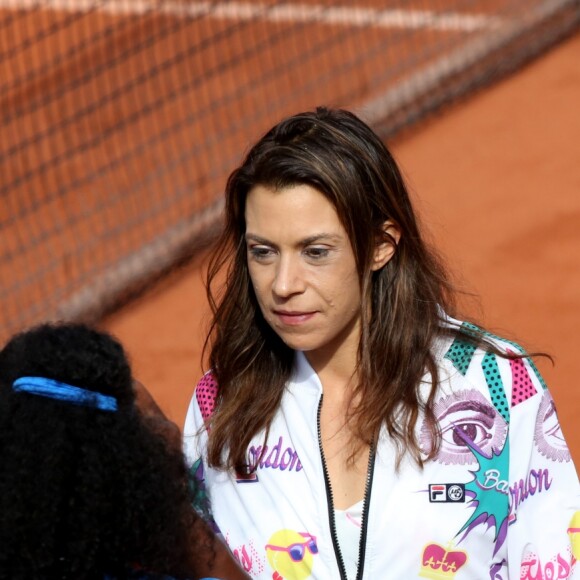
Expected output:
(303, 375)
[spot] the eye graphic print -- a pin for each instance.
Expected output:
(466, 418)
(463, 429)
(548, 433)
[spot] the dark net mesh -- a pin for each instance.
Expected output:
(122, 118)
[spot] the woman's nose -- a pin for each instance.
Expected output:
(289, 277)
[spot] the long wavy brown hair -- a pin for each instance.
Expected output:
(339, 155)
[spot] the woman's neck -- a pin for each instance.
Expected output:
(336, 368)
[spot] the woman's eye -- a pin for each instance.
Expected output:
(316, 253)
(260, 252)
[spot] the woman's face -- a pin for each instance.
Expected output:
(303, 271)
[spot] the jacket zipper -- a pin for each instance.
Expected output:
(366, 501)
(330, 503)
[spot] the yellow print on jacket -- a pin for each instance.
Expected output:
(574, 534)
(290, 554)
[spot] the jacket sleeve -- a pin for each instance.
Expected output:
(198, 415)
(544, 523)
(195, 437)
(195, 434)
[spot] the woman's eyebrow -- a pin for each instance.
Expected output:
(323, 236)
(259, 239)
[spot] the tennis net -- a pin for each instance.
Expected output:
(121, 119)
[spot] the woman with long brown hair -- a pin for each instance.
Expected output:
(351, 426)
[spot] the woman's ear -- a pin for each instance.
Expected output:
(386, 244)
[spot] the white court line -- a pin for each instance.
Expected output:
(283, 12)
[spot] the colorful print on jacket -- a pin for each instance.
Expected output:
(500, 501)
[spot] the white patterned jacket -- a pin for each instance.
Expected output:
(501, 500)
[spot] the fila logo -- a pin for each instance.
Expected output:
(447, 492)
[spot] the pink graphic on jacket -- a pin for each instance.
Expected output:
(522, 386)
(291, 554)
(440, 562)
(559, 567)
(206, 394)
(247, 556)
(548, 434)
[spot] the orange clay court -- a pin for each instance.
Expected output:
(496, 180)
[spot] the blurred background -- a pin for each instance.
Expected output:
(121, 120)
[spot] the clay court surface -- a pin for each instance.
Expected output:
(496, 179)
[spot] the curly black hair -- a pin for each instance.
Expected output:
(84, 492)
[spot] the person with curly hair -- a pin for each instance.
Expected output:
(91, 486)
(353, 424)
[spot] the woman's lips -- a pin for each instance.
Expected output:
(293, 318)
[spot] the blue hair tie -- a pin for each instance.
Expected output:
(62, 392)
